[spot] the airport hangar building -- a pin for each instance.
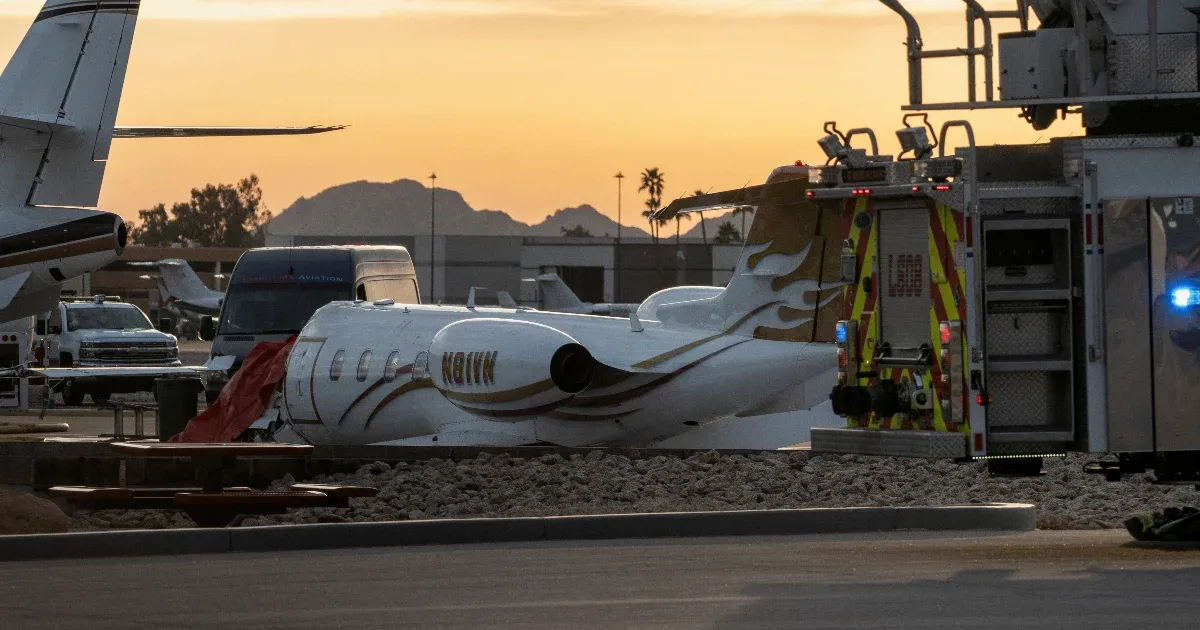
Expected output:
(588, 265)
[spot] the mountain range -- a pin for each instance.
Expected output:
(402, 208)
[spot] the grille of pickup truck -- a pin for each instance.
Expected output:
(132, 353)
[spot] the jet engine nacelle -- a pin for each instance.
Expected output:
(500, 368)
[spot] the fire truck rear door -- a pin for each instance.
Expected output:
(904, 301)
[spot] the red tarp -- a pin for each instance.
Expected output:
(244, 398)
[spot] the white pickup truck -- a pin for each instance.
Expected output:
(103, 332)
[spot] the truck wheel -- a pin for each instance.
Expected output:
(101, 397)
(71, 394)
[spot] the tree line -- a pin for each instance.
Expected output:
(221, 215)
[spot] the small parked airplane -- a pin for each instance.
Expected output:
(59, 96)
(182, 290)
(381, 372)
(557, 297)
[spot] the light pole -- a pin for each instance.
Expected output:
(620, 177)
(432, 231)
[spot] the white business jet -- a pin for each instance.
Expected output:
(59, 97)
(381, 372)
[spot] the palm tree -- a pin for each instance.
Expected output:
(651, 208)
(703, 229)
(727, 234)
(653, 182)
(679, 219)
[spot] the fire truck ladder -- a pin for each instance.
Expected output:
(975, 12)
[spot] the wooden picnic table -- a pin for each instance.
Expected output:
(212, 459)
(213, 504)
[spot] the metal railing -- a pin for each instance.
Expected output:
(975, 12)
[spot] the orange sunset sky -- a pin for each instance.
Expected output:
(522, 105)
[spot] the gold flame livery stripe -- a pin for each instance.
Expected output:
(506, 396)
(411, 386)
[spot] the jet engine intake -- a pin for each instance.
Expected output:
(120, 236)
(572, 368)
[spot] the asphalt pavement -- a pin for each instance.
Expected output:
(902, 580)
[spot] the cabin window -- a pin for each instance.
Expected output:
(335, 368)
(392, 369)
(364, 366)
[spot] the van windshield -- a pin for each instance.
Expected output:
(276, 292)
(276, 309)
(106, 318)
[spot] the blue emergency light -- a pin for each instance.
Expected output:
(840, 332)
(1184, 297)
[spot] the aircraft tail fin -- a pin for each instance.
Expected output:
(786, 286)
(180, 281)
(58, 102)
(506, 300)
(556, 294)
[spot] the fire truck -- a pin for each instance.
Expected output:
(1012, 302)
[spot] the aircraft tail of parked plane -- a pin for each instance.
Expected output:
(787, 280)
(182, 290)
(556, 295)
(181, 281)
(506, 300)
(59, 96)
(58, 102)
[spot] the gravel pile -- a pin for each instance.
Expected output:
(500, 485)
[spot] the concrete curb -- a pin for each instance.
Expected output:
(995, 517)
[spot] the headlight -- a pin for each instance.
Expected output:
(87, 344)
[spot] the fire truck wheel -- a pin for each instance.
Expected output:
(101, 397)
(71, 394)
